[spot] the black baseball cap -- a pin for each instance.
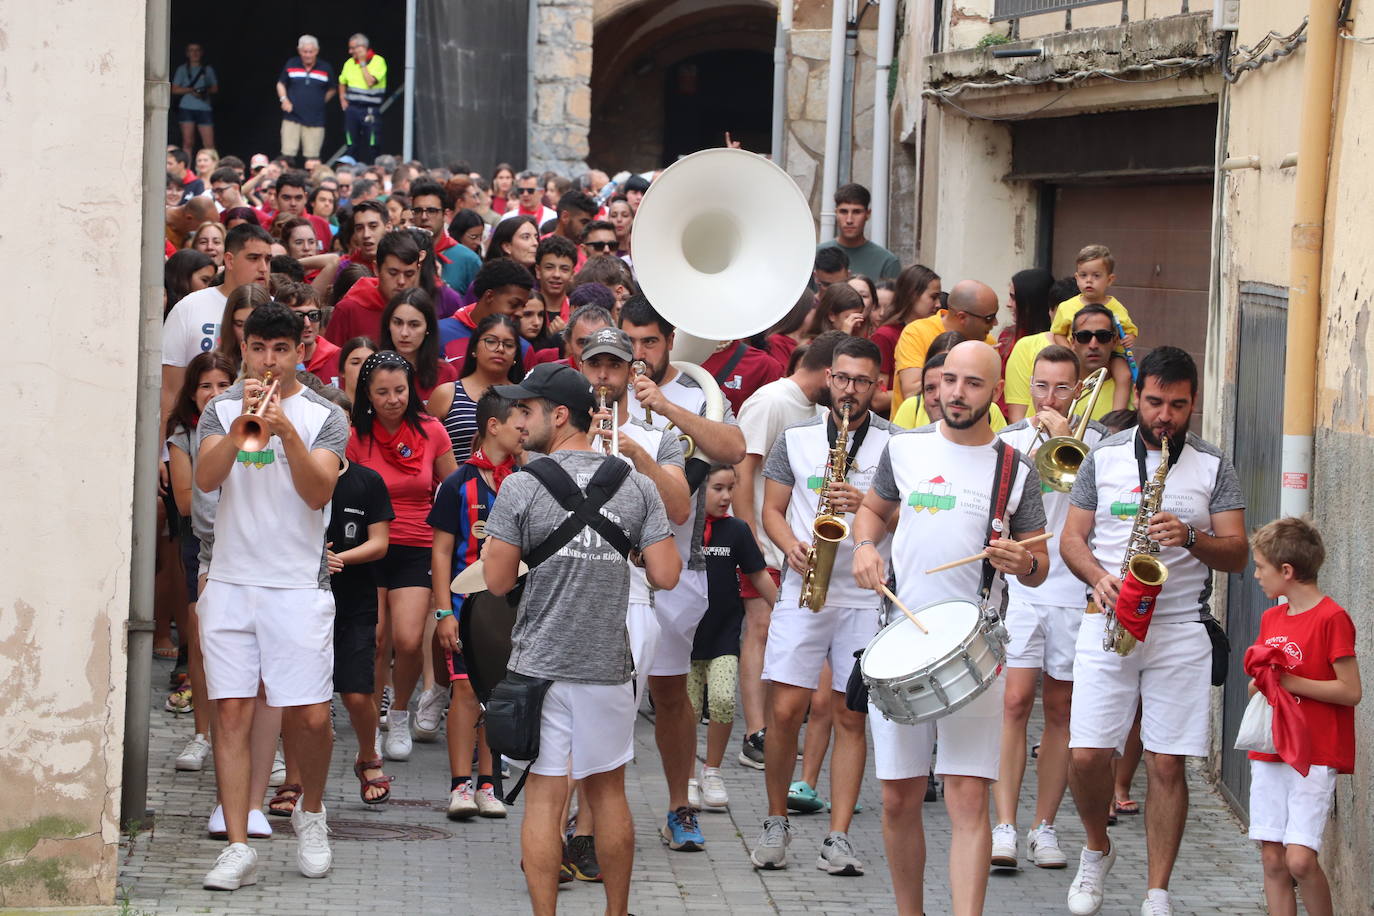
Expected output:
(560, 384)
(609, 340)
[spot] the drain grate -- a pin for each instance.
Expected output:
(367, 830)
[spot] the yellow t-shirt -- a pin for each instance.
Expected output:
(1062, 323)
(912, 346)
(912, 414)
(1021, 364)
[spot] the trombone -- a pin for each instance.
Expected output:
(1059, 458)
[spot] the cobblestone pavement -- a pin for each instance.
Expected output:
(406, 857)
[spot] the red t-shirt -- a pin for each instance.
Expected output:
(321, 227)
(324, 362)
(886, 338)
(780, 347)
(411, 494)
(447, 373)
(754, 370)
(1312, 641)
(358, 313)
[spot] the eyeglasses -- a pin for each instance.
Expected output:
(496, 344)
(599, 246)
(219, 189)
(859, 382)
(312, 316)
(527, 190)
(426, 211)
(1100, 336)
(1041, 389)
(986, 319)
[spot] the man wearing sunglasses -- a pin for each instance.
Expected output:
(527, 200)
(320, 357)
(1092, 340)
(598, 238)
(972, 313)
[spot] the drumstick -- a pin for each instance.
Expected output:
(984, 555)
(902, 607)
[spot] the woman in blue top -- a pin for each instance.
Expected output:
(195, 81)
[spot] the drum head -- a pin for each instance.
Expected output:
(901, 649)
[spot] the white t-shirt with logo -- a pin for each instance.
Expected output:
(192, 326)
(798, 460)
(265, 534)
(668, 452)
(1061, 587)
(944, 491)
(762, 418)
(1199, 485)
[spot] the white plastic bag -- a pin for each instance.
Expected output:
(1257, 726)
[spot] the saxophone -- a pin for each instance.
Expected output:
(828, 529)
(1140, 560)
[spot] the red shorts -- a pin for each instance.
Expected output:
(746, 587)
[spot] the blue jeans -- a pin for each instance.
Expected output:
(363, 131)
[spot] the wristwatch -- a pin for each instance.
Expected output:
(442, 612)
(1192, 538)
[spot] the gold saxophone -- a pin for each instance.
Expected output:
(829, 528)
(1140, 559)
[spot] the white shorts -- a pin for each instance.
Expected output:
(679, 611)
(644, 630)
(283, 636)
(1043, 636)
(1288, 808)
(586, 729)
(970, 741)
(1170, 674)
(800, 642)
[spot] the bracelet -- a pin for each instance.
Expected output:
(1035, 565)
(1192, 538)
(442, 612)
(862, 543)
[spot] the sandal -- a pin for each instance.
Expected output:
(282, 804)
(381, 782)
(1125, 806)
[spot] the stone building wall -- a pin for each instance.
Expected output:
(562, 100)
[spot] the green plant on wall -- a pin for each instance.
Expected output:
(993, 38)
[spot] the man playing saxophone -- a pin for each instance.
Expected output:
(805, 477)
(1199, 526)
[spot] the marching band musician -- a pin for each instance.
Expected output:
(958, 451)
(1200, 527)
(800, 641)
(675, 397)
(1043, 624)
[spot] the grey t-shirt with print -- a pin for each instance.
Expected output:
(571, 622)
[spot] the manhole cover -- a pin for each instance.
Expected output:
(366, 830)
(395, 802)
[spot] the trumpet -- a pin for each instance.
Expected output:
(637, 368)
(248, 429)
(609, 423)
(1059, 459)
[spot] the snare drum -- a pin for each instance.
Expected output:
(915, 677)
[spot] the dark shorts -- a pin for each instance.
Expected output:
(355, 654)
(190, 562)
(746, 587)
(406, 567)
(192, 116)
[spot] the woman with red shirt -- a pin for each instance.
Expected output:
(917, 296)
(393, 436)
(410, 328)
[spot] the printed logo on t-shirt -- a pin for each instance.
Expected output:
(1127, 504)
(719, 550)
(209, 336)
(934, 494)
(350, 530)
(257, 459)
(734, 382)
(1289, 648)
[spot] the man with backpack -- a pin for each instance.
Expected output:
(573, 517)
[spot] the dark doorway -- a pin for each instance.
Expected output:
(710, 93)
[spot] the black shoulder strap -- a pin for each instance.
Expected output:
(724, 373)
(585, 508)
(1002, 478)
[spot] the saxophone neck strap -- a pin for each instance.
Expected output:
(856, 437)
(1175, 452)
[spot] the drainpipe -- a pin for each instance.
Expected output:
(1305, 258)
(147, 442)
(780, 77)
(834, 106)
(408, 99)
(531, 102)
(882, 120)
(851, 59)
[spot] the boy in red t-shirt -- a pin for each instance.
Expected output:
(1288, 811)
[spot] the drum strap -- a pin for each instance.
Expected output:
(1002, 478)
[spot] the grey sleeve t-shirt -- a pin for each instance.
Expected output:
(571, 622)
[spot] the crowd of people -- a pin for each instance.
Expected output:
(381, 378)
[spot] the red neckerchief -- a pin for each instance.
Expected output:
(443, 243)
(403, 449)
(710, 520)
(1292, 740)
(499, 472)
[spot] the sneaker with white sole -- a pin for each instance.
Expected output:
(488, 805)
(398, 742)
(192, 756)
(1086, 892)
(429, 713)
(1157, 903)
(313, 855)
(1004, 847)
(837, 856)
(1042, 847)
(751, 750)
(278, 776)
(462, 802)
(713, 794)
(236, 867)
(770, 852)
(258, 828)
(694, 795)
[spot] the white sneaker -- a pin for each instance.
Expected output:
(236, 866)
(258, 827)
(713, 792)
(429, 713)
(1157, 903)
(1004, 847)
(192, 756)
(462, 802)
(693, 795)
(1042, 846)
(313, 856)
(1086, 892)
(398, 743)
(278, 776)
(215, 829)
(488, 805)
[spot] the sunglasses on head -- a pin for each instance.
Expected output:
(1100, 336)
